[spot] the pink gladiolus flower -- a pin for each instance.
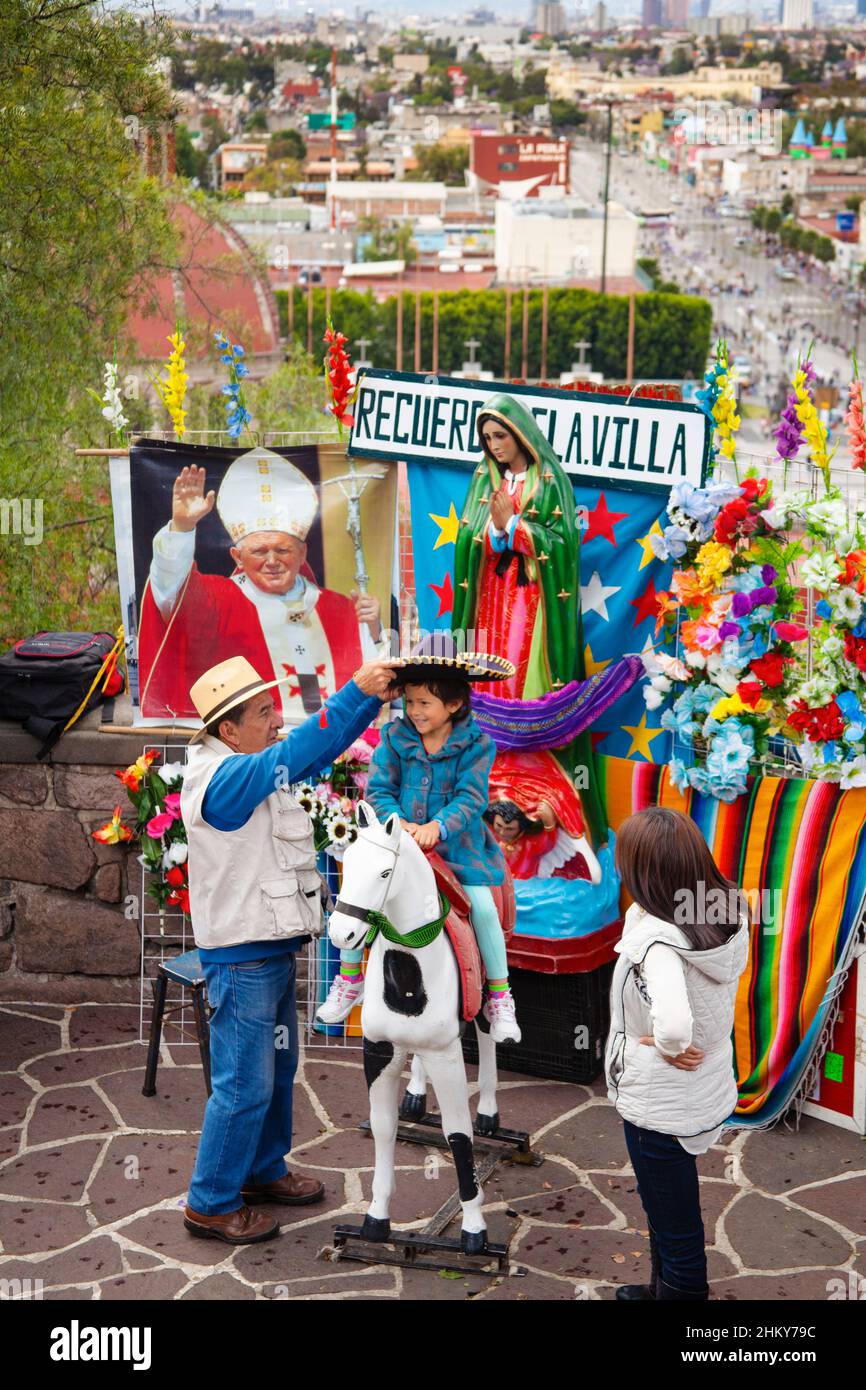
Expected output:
(158, 824)
(172, 805)
(856, 428)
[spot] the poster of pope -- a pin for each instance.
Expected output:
(253, 559)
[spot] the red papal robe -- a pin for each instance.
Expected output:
(214, 618)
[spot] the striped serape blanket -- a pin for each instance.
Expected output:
(798, 849)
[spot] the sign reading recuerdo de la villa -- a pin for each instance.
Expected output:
(635, 443)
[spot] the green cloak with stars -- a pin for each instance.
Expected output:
(548, 513)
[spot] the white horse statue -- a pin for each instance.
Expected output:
(411, 1004)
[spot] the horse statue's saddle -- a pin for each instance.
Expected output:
(461, 935)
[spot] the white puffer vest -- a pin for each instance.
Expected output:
(645, 1088)
(258, 883)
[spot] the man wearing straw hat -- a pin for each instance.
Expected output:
(255, 894)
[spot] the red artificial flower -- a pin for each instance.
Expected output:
(750, 692)
(770, 668)
(175, 876)
(855, 650)
(855, 570)
(800, 717)
(829, 723)
(179, 898)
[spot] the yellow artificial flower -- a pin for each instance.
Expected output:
(172, 391)
(712, 561)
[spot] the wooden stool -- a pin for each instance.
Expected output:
(186, 971)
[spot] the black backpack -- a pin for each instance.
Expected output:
(48, 681)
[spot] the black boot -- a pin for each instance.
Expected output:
(666, 1294)
(631, 1293)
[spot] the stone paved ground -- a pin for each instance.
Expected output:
(93, 1176)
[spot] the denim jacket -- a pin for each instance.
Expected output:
(449, 786)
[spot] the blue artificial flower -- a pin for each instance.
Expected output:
(860, 629)
(671, 545)
(699, 780)
(241, 370)
(830, 751)
(849, 705)
(679, 774)
(853, 733)
(823, 609)
(238, 350)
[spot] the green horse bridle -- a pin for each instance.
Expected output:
(378, 922)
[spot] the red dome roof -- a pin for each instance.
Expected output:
(214, 284)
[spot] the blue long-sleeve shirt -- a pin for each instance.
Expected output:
(243, 780)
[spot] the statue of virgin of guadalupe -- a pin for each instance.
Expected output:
(517, 572)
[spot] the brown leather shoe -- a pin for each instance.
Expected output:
(290, 1191)
(241, 1227)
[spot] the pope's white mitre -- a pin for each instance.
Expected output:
(263, 492)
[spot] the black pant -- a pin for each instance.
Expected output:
(667, 1181)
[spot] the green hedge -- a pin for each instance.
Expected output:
(672, 331)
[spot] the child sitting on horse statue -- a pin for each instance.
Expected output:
(432, 768)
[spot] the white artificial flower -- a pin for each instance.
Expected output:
(661, 683)
(847, 606)
(846, 541)
(175, 854)
(172, 772)
(650, 662)
(652, 697)
(819, 570)
(808, 755)
(696, 659)
(854, 773)
(818, 690)
(338, 828)
(832, 647)
(113, 408)
(830, 514)
(774, 517)
(726, 679)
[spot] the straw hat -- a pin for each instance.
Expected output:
(224, 687)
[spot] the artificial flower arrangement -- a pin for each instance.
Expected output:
(158, 827)
(331, 803)
(743, 669)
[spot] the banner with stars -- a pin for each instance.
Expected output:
(619, 576)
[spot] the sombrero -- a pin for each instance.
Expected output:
(437, 654)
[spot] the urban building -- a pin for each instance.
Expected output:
(549, 240)
(232, 161)
(798, 14)
(517, 166)
(651, 15)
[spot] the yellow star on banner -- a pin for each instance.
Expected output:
(589, 661)
(645, 544)
(641, 738)
(447, 527)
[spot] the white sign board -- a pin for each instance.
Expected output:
(637, 443)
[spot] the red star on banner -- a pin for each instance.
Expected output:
(602, 521)
(597, 735)
(445, 595)
(645, 604)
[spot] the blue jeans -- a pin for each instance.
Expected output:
(247, 1128)
(667, 1181)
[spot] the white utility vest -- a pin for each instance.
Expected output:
(258, 883)
(645, 1088)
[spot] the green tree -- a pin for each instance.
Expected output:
(564, 115)
(786, 207)
(388, 242)
(80, 225)
(287, 144)
(441, 163)
(190, 157)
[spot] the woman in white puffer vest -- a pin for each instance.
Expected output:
(669, 1059)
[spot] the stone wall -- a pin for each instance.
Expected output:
(68, 904)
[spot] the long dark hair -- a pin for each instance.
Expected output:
(494, 419)
(665, 865)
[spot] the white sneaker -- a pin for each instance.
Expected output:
(499, 1012)
(343, 995)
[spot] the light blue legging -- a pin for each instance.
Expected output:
(485, 920)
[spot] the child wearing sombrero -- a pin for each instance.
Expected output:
(432, 768)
